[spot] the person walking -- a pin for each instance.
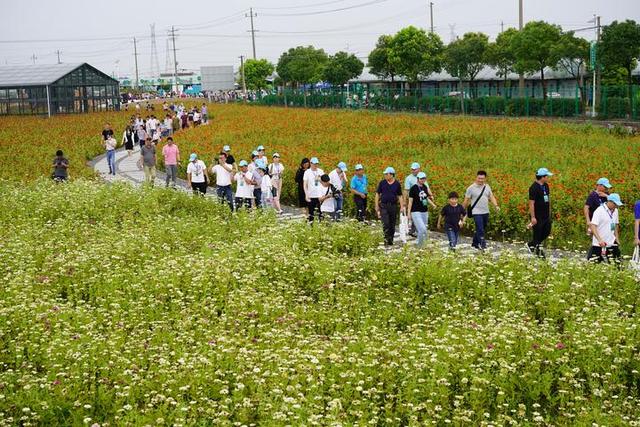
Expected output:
(244, 186)
(128, 137)
(205, 113)
(299, 178)
(171, 155)
(410, 181)
(596, 198)
(276, 171)
(419, 208)
(197, 176)
(454, 216)
(388, 197)
(256, 176)
(107, 132)
(60, 167)
(540, 211)
(110, 147)
(223, 170)
(312, 187)
(476, 201)
(605, 229)
(266, 189)
(147, 161)
(230, 159)
(327, 203)
(359, 189)
(338, 179)
(142, 134)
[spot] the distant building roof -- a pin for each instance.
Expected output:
(34, 75)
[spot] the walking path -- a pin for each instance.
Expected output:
(127, 170)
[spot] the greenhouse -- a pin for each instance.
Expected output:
(56, 89)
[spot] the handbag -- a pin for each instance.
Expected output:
(404, 228)
(470, 208)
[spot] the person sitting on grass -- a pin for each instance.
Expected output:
(454, 215)
(60, 167)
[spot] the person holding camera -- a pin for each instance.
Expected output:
(338, 179)
(60, 167)
(328, 205)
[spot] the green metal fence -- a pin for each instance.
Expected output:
(615, 102)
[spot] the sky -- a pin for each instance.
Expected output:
(217, 32)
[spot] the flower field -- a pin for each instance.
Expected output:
(122, 307)
(451, 148)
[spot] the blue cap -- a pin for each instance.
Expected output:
(254, 153)
(314, 161)
(605, 182)
(260, 148)
(359, 167)
(193, 157)
(226, 148)
(260, 164)
(243, 163)
(389, 169)
(422, 175)
(342, 166)
(415, 165)
(615, 198)
(544, 172)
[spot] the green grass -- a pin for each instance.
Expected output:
(125, 307)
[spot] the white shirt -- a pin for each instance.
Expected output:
(196, 116)
(223, 176)
(276, 170)
(605, 221)
(266, 186)
(329, 205)
(243, 189)
(312, 183)
(110, 144)
(336, 180)
(196, 169)
(168, 124)
(152, 124)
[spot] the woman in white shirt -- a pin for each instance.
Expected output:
(276, 170)
(244, 186)
(267, 187)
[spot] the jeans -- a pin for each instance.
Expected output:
(361, 207)
(541, 231)
(225, 195)
(389, 217)
(452, 235)
(312, 206)
(481, 220)
(420, 220)
(339, 203)
(111, 161)
(172, 173)
(257, 196)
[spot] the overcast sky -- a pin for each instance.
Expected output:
(216, 32)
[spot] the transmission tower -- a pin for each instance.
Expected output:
(167, 62)
(155, 65)
(452, 28)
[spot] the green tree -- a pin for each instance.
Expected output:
(256, 72)
(573, 56)
(500, 55)
(619, 46)
(341, 67)
(302, 65)
(379, 62)
(464, 58)
(415, 54)
(535, 48)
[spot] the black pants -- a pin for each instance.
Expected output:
(361, 207)
(242, 202)
(540, 231)
(199, 187)
(313, 206)
(389, 217)
(613, 253)
(257, 196)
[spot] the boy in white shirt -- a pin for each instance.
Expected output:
(223, 172)
(244, 186)
(605, 230)
(327, 200)
(313, 189)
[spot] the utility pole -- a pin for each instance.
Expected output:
(58, 53)
(244, 82)
(175, 60)
(33, 58)
(596, 20)
(253, 31)
(520, 25)
(431, 14)
(135, 56)
(502, 26)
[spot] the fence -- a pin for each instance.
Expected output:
(613, 102)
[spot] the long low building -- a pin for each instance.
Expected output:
(49, 89)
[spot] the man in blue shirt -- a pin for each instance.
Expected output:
(359, 184)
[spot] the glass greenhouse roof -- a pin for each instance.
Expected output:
(33, 75)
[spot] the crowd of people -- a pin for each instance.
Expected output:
(256, 183)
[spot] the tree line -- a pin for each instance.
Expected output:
(414, 54)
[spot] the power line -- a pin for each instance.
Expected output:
(304, 6)
(323, 12)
